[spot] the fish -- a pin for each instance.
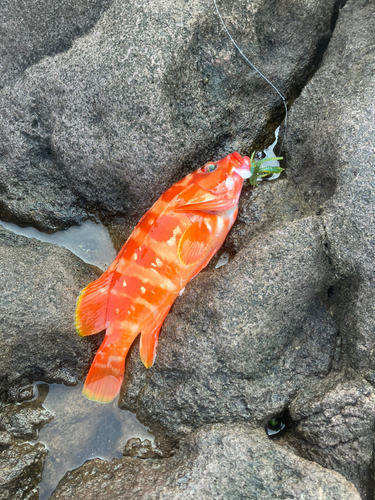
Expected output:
(170, 245)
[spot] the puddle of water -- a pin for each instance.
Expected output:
(90, 241)
(81, 430)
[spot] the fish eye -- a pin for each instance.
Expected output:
(210, 167)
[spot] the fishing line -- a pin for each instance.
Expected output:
(257, 70)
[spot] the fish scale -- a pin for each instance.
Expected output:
(170, 245)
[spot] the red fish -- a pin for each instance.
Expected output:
(171, 244)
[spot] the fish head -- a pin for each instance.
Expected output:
(217, 185)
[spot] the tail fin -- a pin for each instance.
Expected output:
(150, 337)
(104, 379)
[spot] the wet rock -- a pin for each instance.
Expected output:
(24, 422)
(336, 422)
(241, 340)
(31, 31)
(230, 462)
(40, 283)
(150, 93)
(5, 439)
(136, 448)
(20, 471)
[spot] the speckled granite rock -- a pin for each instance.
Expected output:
(336, 419)
(331, 159)
(30, 31)
(39, 284)
(220, 462)
(153, 91)
(20, 471)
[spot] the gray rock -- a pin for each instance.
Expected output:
(5, 439)
(242, 340)
(220, 462)
(331, 160)
(335, 427)
(24, 422)
(20, 471)
(39, 284)
(152, 92)
(34, 30)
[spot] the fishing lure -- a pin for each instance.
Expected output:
(171, 244)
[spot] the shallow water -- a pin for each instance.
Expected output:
(90, 241)
(81, 430)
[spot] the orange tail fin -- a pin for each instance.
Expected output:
(104, 379)
(150, 337)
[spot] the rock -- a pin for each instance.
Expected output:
(331, 160)
(136, 448)
(24, 422)
(335, 427)
(241, 340)
(151, 93)
(5, 439)
(34, 30)
(20, 471)
(40, 283)
(219, 462)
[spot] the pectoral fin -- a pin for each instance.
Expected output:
(194, 243)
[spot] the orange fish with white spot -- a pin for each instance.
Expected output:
(170, 245)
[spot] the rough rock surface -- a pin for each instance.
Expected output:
(335, 428)
(20, 471)
(220, 462)
(331, 160)
(39, 285)
(32, 30)
(153, 91)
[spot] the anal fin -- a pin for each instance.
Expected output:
(104, 379)
(150, 337)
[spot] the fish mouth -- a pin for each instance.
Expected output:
(244, 169)
(242, 172)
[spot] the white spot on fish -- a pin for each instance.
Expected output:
(132, 308)
(171, 241)
(135, 256)
(143, 289)
(124, 283)
(117, 311)
(158, 262)
(151, 221)
(229, 183)
(177, 230)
